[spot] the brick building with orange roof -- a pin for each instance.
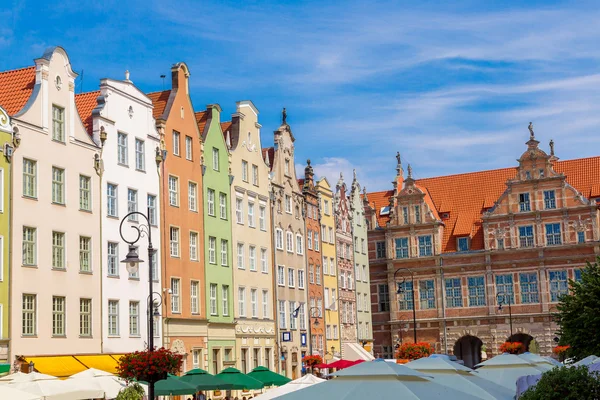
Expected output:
(475, 245)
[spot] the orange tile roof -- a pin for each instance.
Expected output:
(271, 152)
(16, 87)
(465, 195)
(201, 119)
(159, 100)
(85, 103)
(225, 126)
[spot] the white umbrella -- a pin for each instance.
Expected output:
(91, 373)
(23, 377)
(301, 383)
(8, 393)
(459, 377)
(382, 379)
(586, 361)
(69, 389)
(537, 360)
(505, 369)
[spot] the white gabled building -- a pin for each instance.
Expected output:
(122, 118)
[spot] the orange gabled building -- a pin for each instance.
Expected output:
(475, 241)
(184, 307)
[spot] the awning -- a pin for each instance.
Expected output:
(103, 362)
(4, 368)
(59, 366)
(354, 351)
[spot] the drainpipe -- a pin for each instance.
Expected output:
(355, 281)
(99, 167)
(10, 250)
(443, 306)
(274, 269)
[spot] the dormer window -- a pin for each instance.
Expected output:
(541, 173)
(58, 124)
(445, 215)
(463, 243)
(528, 175)
(500, 244)
(549, 199)
(418, 214)
(524, 204)
(384, 211)
(405, 215)
(287, 166)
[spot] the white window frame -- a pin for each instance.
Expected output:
(195, 297)
(254, 303)
(212, 250)
(174, 240)
(192, 196)
(299, 244)
(251, 221)
(213, 299)
(210, 200)
(175, 295)
(176, 143)
(280, 275)
(264, 262)
(173, 191)
(188, 148)
(291, 277)
(122, 149)
(224, 253)
(289, 242)
(223, 205)
(279, 239)
(194, 245)
(262, 218)
(242, 301)
(241, 256)
(225, 300)
(140, 156)
(252, 258)
(239, 210)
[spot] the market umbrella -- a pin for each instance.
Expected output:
(23, 377)
(459, 377)
(6, 392)
(300, 383)
(56, 389)
(383, 379)
(339, 364)
(111, 384)
(537, 360)
(202, 380)
(239, 380)
(268, 377)
(173, 386)
(505, 369)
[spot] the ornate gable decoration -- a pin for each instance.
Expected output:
(5, 121)
(410, 195)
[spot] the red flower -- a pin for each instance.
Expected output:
(512, 347)
(311, 361)
(143, 364)
(414, 351)
(558, 350)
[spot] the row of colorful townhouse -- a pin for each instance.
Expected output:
(251, 266)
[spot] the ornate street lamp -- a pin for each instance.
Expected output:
(504, 298)
(400, 290)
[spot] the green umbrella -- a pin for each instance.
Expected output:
(268, 377)
(202, 380)
(173, 386)
(239, 380)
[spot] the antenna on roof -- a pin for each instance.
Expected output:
(163, 76)
(81, 82)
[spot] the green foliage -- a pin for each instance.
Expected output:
(565, 383)
(134, 391)
(578, 314)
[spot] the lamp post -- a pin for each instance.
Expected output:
(502, 299)
(316, 316)
(400, 290)
(132, 262)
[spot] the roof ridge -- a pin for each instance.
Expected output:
(158, 91)
(16, 69)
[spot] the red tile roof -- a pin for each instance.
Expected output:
(159, 100)
(271, 152)
(201, 119)
(85, 103)
(465, 196)
(16, 87)
(225, 126)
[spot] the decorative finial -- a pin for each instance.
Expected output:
(308, 162)
(398, 158)
(531, 134)
(284, 116)
(341, 176)
(127, 75)
(365, 190)
(409, 171)
(551, 147)
(354, 173)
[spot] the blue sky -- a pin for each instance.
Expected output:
(451, 85)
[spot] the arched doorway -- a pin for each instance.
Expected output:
(468, 349)
(524, 338)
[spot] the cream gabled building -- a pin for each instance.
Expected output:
(55, 279)
(251, 233)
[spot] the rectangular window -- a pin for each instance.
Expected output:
(264, 266)
(402, 248)
(380, 250)
(476, 291)
(526, 236)
(245, 170)
(309, 238)
(122, 148)
(291, 279)
(239, 210)
(553, 236)
(529, 287)
(242, 301)
(504, 286)
(405, 215)
(58, 185)
(405, 293)
(425, 247)
(326, 207)
(194, 246)
(299, 244)
(134, 318)
(265, 304)
(196, 356)
(463, 244)
(112, 254)
(282, 315)
(289, 243)
(175, 295)
(240, 256)
(311, 274)
(176, 143)
(85, 197)
(215, 159)
(29, 178)
(132, 204)
(111, 200)
(254, 303)
(140, 157)
(280, 275)
(113, 318)
(152, 210)
(426, 294)
(173, 191)
(559, 284)
(293, 314)
(262, 218)
(212, 249)
(58, 316)
(210, 199)
(318, 274)
(58, 124)
(174, 241)
(331, 238)
(524, 203)
(317, 241)
(581, 237)
(288, 204)
(224, 256)
(255, 175)
(29, 316)
(193, 196)
(195, 297)
(383, 295)
(332, 267)
(300, 279)
(188, 148)
(225, 299)
(418, 214)
(549, 199)
(252, 257)
(453, 293)
(362, 246)
(154, 269)
(85, 254)
(223, 205)
(325, 267)
(279, 239)
(251, 221)
(29, 246)
(500, 244)
(213, 299)
(365, 274)
(58, 250)
(577, 275)
(85, 317)
(302, 316)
